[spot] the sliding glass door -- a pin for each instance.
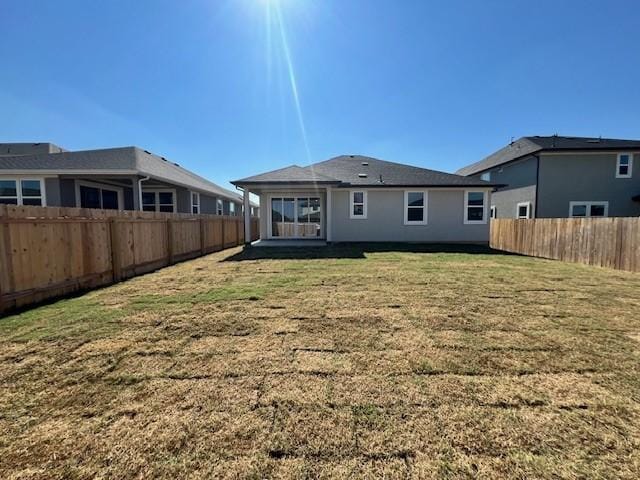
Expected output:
(295, 217)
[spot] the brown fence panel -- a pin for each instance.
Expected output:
(51, 251)
(604, 242)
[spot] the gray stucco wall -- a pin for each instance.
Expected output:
(385, 219)
(52, 191)
(591, 177)
(520, 179)
(207, 204)
(67, 192)
(506, 201)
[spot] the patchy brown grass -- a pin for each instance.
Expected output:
(391, 364)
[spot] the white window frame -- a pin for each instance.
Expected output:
(588, 206)
(424, 207)
(195, 205)
(219, 206)
(485, 200)
(99, 186)
(618, 165)
(19, 197)
(523, 204)
(352, 204)
(157, 198)
(492, 212)
(232, 208)
(486, 176)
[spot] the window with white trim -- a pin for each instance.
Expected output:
(624, 165)
(475, 205)
(494, 211)
(219, 207)
(523, 210)
(415, 207)
(588, 209)
(232, 208)
(159, 201)
(486, 176)
(358, 204)
(195, 203)
(22, 191)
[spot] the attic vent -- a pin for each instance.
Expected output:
(365, 164)
(362, 175)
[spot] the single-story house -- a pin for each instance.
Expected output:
(126, 178)
(352, 198)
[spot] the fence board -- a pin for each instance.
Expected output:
(604, 242)
(50, 251)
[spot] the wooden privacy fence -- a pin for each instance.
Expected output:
(50, 251)
(604, 242)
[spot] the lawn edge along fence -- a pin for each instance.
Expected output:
(47, 252)
(603, 242)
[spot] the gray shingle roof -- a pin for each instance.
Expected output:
(28, 148)
(123, 160)
(530, 145)
(363, 171)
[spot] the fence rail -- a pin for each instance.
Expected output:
(51, 251)
(604, 242)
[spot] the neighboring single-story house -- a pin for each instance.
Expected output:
(126, 178)
(352, 198)
(553, 177)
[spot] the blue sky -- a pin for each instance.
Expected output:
(207, 83)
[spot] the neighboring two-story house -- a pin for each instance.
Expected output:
(551, 177)
(126, 178)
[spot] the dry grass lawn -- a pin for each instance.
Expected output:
(350, 363)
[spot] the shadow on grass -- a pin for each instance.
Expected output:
(356, 250)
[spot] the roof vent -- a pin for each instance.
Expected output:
(365, 164)
(147, 151)
(351, 156)
(362, 175)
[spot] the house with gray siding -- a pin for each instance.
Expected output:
(352, 198)
(555, 177)
(125, 178)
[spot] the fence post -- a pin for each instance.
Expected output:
(170, 241)
(222, 242)
(114, 242)
(203, 249)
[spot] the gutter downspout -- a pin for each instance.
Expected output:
(537, 184)
(140, 180)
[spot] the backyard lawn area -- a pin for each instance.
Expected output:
(351, 361)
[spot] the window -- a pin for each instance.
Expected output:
(588, 209)
(624, 165)
(219, 209)
(523, 210)
(486, 176)
(415, 208)
(158, 201)
(94, 197)
(358, 204)
(24, 191)
(474, 207)
(232, 208)
(195, 203)
(494, 211)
